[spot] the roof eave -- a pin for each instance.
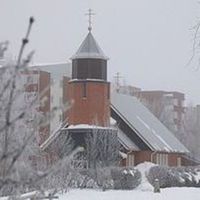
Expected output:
(89, 56)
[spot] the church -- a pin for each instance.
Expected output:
(94, 107)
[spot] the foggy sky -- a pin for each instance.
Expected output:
(148, 41)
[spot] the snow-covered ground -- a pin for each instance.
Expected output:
(144, 169)
(143, 192)
(166, 194)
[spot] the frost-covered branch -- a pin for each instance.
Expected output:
(20, 124)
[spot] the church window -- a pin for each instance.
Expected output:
(130, 160)
(179, 162)
(162, 159)
(108, 92)
(84, 90)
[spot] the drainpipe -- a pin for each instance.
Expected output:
(127, 157)
(152, 154)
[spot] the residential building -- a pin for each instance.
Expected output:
(37, 92)
(167, 106)
(59, 72)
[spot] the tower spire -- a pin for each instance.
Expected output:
(90, 13)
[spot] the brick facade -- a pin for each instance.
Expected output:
(37, 91)
(171, 159)
(44, 94)
(90, 103)
(169, 103)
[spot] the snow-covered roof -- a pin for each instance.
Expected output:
(87, 126)
(57, 70)
(145, 124)
(126, 142)
(61, 128)
(89, 49)
(52, 137)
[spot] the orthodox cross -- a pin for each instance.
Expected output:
(90, 13)
(3, 48)
(117, 80)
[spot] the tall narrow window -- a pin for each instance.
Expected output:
(84, 90)
(179, 162)
(130, 160)
(162, 159)
(108, 91)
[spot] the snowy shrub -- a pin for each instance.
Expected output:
(175, 176)
(87, 179)
(125, 178)
(96, 178)
(106, 178)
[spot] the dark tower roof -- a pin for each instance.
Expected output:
(89, 49)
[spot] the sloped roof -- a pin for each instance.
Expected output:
(89, 49)
(145, 124)
(126, 142)
(57, 70)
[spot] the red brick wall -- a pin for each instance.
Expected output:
(65, 97)
(150, 156)
(155, 99)
(92, 109)
(142, 156)
(42, 88)
(44, 91)
(173, 157)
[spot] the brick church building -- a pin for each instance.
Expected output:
(93, 106)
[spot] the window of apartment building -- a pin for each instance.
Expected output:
(31, 79)
(30, 96)
(130, 160)
(175, 115)
(162, 159)
(176, 103)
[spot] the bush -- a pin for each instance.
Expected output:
(84, 179)
(108, 178)
(125, 178)
(175, 176)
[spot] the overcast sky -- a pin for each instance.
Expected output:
(148, 41)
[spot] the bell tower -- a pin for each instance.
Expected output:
(89, 90)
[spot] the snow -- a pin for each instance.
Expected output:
(126, 141)
(167, 147)
(86, 126)
(51, 137)
(166, 194)
(113, 122)
(197, 177)
(143, 192)
(144, 169)
(144, 123)
(122, 154)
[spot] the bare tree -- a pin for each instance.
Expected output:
(192, 131)
(102, 148)
(19, 128)
(163, 111)
(195, 45)
(102, 153)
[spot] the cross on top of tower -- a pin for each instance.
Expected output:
(90, 13)
(117, 78)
